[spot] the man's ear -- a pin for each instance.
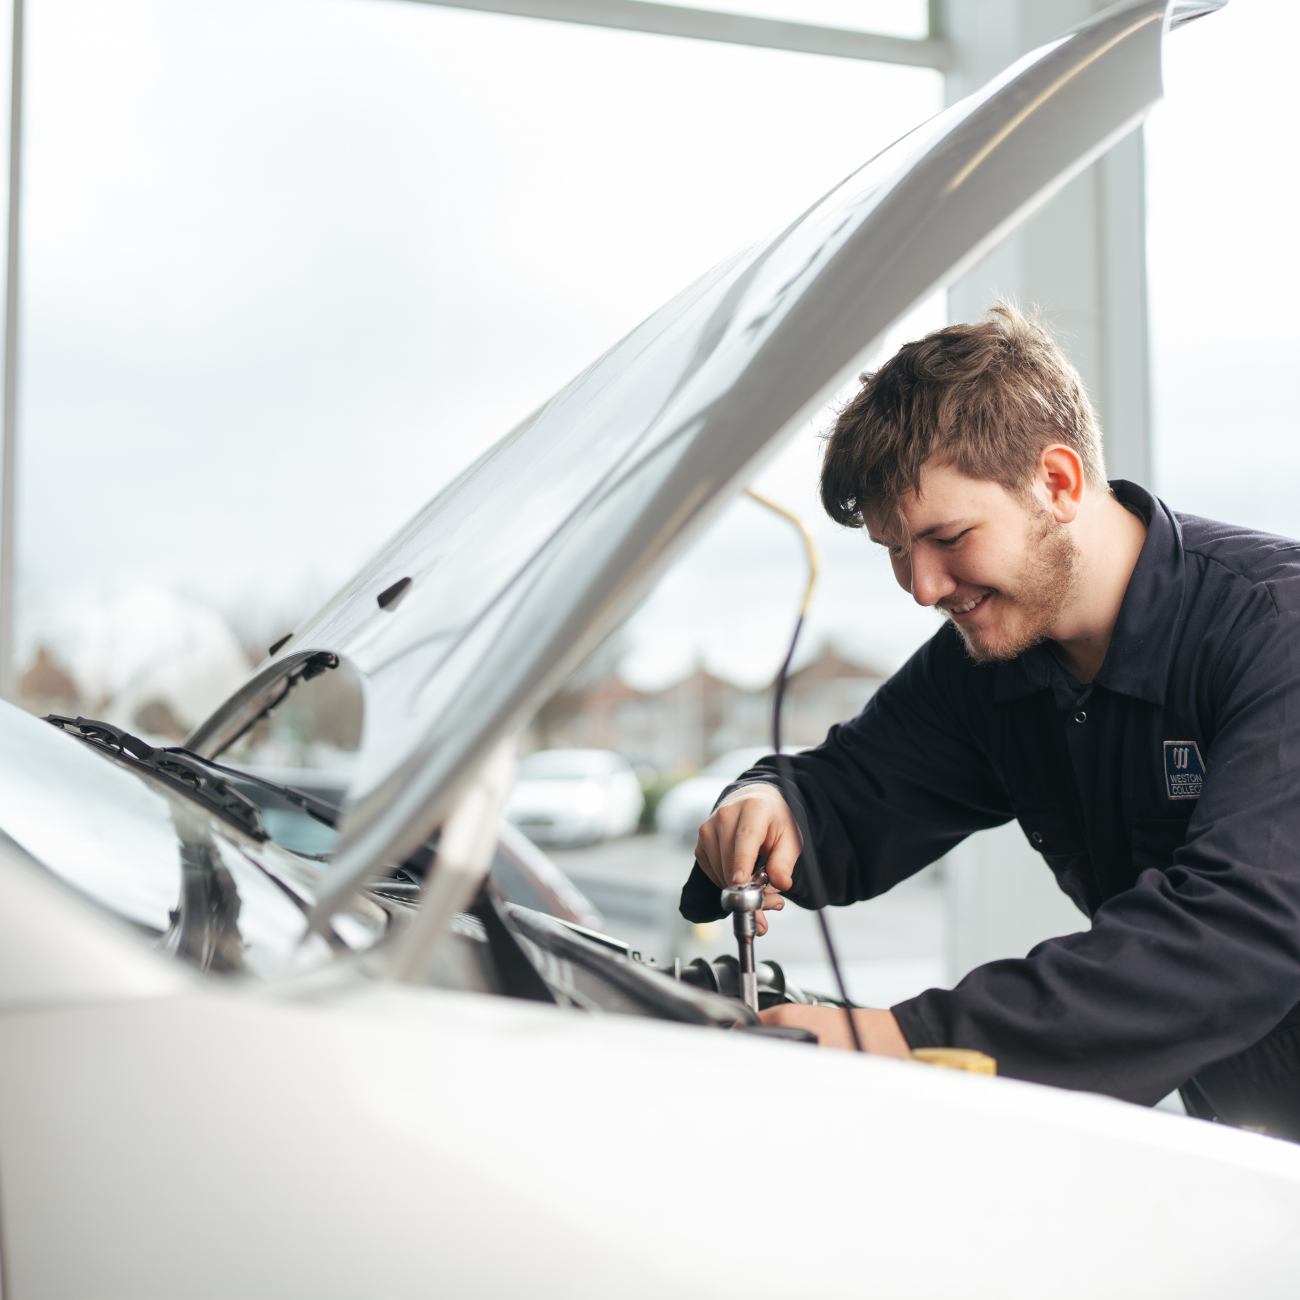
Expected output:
(1061, 480)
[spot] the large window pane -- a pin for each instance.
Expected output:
(1225, 276)
(290, 264)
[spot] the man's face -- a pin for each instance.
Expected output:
(999, 566)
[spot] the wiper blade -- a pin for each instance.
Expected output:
(177, 767)
(322, 810)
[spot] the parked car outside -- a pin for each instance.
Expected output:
(575, 796)
(689, 802)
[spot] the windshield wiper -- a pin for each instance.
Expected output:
(321, 809)
(175, 766)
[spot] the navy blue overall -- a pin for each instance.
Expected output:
(1165, 798)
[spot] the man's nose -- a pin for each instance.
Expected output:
(931, 581)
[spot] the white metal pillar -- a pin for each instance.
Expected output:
(8, 425)
(1082, 261)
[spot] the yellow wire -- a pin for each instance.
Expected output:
(809, 546)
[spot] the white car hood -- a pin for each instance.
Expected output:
(547, 542)
(409, 1142)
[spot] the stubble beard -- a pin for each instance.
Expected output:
(1049, 578)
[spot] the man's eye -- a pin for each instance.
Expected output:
(953, 540)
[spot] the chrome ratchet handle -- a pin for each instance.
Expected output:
(744, 902)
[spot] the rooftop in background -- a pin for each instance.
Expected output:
(692, 721)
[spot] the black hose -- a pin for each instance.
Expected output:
(809, 854)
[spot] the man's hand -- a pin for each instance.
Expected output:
(751, 821)
(878, 1030)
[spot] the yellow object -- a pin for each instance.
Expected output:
(809, 546)
(956, 1058)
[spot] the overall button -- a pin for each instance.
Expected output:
(1081, 716)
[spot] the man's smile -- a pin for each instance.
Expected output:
(966, 607)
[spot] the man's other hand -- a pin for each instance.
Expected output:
(878, 1030)
(751, 821)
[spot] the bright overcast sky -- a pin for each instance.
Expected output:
(290, 264)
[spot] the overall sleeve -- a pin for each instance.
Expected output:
(888, 792)
(1195, 962)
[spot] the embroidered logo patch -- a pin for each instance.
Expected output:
(1184, 771)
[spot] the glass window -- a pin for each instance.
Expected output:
(345, 247)
(1223, 269)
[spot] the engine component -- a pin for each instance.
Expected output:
(722, 975)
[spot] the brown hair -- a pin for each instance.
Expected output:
(985, 398)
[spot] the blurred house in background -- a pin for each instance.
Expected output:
(142, 658)
(825, 691)
(46, 688)
(685, 725)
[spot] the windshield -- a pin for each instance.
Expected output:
(196, 884)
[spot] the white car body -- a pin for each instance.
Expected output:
(394, 1141)
(329, 1118)
(575, 796)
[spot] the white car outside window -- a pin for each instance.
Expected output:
(689, 802)
(575, 796)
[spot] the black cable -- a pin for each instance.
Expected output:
(786, 774)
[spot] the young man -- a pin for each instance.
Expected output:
(1122, 680)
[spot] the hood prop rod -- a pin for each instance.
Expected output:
(465, 850)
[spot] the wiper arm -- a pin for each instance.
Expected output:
(320, 809)
(177, 767)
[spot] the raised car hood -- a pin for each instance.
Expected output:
(548, 541)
